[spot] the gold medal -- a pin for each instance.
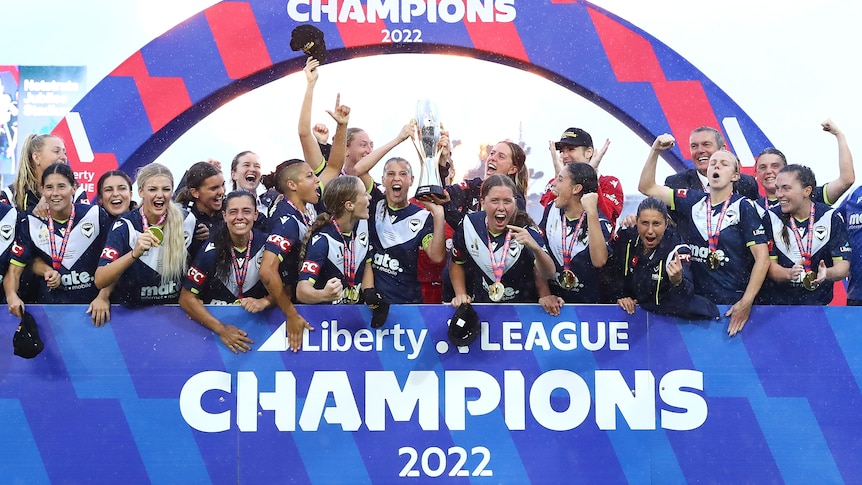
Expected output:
(567, 280)
(351, 295)
(155, 231)
(808, 281)
(712, 260)
(496, 291)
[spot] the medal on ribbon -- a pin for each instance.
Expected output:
(567, 279)
(712, 260)
(497, 290)
(348, 266)
(240, 265)
(57, 256)
(808, 281)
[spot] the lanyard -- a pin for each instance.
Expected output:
(57, 256)
(349, 260)
(805, 251)
(146, 224)
(567, 248)
(713, 235)
(240, 269)
(499, 267)
(306, 217)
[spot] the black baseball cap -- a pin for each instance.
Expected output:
(308, 39)
(464, 326)
(574, 137)
(26, 341)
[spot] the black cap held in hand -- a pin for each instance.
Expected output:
(464, 326)
(26, 341)
(379, 308)
(309, 39)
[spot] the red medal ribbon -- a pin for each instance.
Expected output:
(240, 270)
(567, 248)
(805, 251)
(713, 235)
(57, 256)
(499, 267)
(349, 260)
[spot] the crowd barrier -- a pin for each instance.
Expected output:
(591, 396)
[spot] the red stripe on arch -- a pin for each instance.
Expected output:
(62, 130)
(685, 107)
(632, 57)
(238, 39)
(497, 37)
(164, 98)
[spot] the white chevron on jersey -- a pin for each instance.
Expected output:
(399, 232)
(822, 235)
(84, 231)
(7, 229)
(251, 277)
(151, 256)
(476, 240)
(731, 217)
(554, 235)
(360, 245)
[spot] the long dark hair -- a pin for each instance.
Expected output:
(222, 241)
(114, 173)
(336, 194)
(585, 175)
(807, 179)
(193, 179)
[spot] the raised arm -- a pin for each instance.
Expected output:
(647, 184)
(599, 155)
(368, 162)
(310, 147)
(338, 151)
(598, 245)
(846, 176)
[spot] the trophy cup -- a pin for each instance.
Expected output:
(428, 124)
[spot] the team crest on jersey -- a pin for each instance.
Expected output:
(514, 248)
(259, 260)
(730, 216)
(6, 231)
(87, 229)
(363, 238)
(415, 225)
(820, 232)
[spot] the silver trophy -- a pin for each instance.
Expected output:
(428, 124)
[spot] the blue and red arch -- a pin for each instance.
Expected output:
(136, 112)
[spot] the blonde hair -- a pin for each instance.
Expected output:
(173, 258)
(26, 178)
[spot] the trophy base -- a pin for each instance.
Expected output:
(429, 190)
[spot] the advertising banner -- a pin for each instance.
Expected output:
(591, 396)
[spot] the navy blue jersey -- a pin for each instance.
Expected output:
(740, 229)
(829, 243)
(80, 260)
(587, 288)
(141, 283)
(288, 228)
(397, 236)
(643, 276)
(201, 281)
(851, 210)
(324, 258)
(8, 224)
(470, 249)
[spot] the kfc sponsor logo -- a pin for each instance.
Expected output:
(310, 267)
(17, 249)
(681, 193)
(196, 276)
(110, 254)
(282, 242)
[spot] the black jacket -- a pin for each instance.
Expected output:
(688, 179)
